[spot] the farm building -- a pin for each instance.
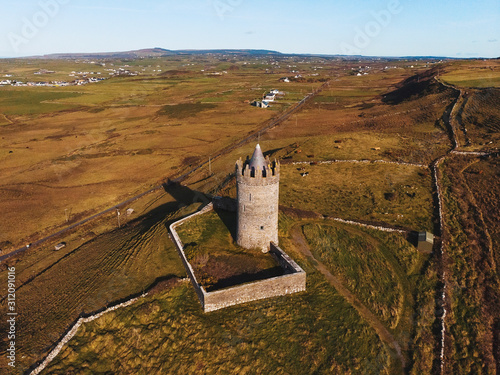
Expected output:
(60, 246)
(425, 242)
(262, 104)
(270, 97)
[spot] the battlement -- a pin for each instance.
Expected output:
(270, 172)
(257, 166)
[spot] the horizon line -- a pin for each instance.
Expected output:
(252, 49)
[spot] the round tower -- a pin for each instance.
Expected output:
(258, 200)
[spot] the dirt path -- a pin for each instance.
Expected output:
(301, 244)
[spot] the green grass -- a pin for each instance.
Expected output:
(217, 260)
(209, 231)
(387, 274)
(360, 192)
(169, 334)
(473, 79)
(32, 101)
(357, 260)
(106, 269)
(473, 73)
(181, 111)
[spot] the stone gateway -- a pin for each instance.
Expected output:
(258, 201)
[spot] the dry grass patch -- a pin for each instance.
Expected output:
(393, 194)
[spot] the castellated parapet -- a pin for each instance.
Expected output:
(258, 201)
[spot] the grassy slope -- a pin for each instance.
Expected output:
(473, 280)
(106, 269)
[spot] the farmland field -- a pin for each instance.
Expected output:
(364, 148)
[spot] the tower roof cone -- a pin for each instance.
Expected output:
(258, 162)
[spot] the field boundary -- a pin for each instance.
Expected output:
(74, 329)
(441, 311)
(364, 161)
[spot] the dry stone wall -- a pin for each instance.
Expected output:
(293, 281)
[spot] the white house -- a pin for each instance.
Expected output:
(262, 104)
(269, 97)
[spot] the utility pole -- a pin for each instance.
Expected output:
(118, 217)
(66, 214)
(209, 166)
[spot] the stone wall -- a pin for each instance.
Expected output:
(180, 249)
(287, 263)
(274, 287)
(293, 281)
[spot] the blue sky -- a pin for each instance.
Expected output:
(372, 27)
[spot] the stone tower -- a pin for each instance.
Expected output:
(258, 194)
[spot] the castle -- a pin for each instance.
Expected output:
(257, 205)
(258, 201)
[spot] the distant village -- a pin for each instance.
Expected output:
(78, 78)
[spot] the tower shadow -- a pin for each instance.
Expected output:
(184, 195)
(229, 219)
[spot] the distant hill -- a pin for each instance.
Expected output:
(158, 52)
(153, 52)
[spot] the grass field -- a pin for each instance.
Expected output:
(392, 194)
(386, 274)
(15, 101)
(474, 73)
(348, 255)
(217, 260)
(473, 275)
(282, 335)
(88, 277)
(86, 149)
(113, 139)
(296, 332)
